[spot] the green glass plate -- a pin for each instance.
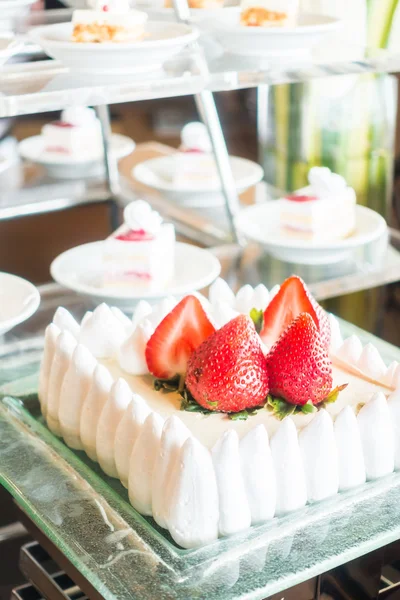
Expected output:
(88, 517)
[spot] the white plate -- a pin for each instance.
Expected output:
(10, 9)
(19, 299)
(64, 166)
(197, 15)
(260, 223)
(273, 41)
(156, 173)
(163, 41)
(8, 45)
(80, 269)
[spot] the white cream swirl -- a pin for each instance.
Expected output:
(139, 215)
(325, 183)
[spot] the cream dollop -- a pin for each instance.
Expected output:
(93, 405)
(377, 436)
(394, 409)
(220, 291)
(350, 351)
(234, 510)
(64, 348)
(318, 447)
(336, 340)
(139, 216)
(142, 310)
(222, 313)
(102, 332)
(371, 363)
(50, 339)
(325, 183)
(132, 353)
(66, 322)
(349, 448)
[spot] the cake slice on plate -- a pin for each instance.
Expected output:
(323, 211)
(108, 21)
(77, 133)
(269, 13)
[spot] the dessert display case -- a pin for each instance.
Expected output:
(82, 515)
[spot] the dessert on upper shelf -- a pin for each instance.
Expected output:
(141, 252)
(269, 13)
(205, 4)
(108, 21)
(323, 211)
(77, 133)
(195, 165)
(223, 413)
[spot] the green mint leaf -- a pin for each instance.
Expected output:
(280, 408)
(334, 394)
(239, 416)
(308, 408)
(257, 316)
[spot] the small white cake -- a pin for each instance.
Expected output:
(108, 21)
(141, 252)
(269, 13)
(195, 165)
(323, 211)
(78, 132)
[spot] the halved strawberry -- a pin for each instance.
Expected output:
(179, 333)
(292, 299)
(298, 365)
(227, 372)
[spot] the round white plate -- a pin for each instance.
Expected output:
(156, 173)
(8, 45)
(80, 269)
(163, 40)
(260, 223)
(273, 41)
(19, 299)
(197, 15)
(60, 165)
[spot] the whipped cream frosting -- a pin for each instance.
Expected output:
(64, 348)
(114, 409)
(194, 136)
(221, 313)
(221, 292)
(102, 332)
(139, 216)
(370, 362)
(142, 464)
(336, 340)
(377, 437)
(258, 474)
(132, 353)
(66, 322)
(174, 435)
(80, 116)
(122, 318)
(394, 409)
(142, 310)
(392, 375)
(318, 449)
(349, 450)
(74, 390)
(234, 510)
(161, 310)
(350, 351)
(50, 338)
(194, 515)
(127, 433)
(288, 462)
(93, 404)
(324, 183)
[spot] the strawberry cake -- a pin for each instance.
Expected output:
(108, 21)
(222, 413)
(140, 254)
(77, 133)
(195, 163)
(323, 211)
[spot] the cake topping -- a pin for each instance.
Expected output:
(77, 116)
(227, 372)
(292, 299)
(299, 369)
(141, 218)
(119, 6)
(176, 337)
(325, 183)
(195, 138)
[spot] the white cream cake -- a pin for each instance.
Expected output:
(108, 21)
(195, 164)
(141, 252)
(184, 468)
(77, 133)
(323, 211)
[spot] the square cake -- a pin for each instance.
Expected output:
(224, 413)
(195, 165)
(323, 211)
(141, 252)
(77, 133)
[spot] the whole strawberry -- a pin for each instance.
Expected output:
(227, 371)
(298, 365)
(292, 299)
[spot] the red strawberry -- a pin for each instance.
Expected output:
(227, 372)
(298, 365)
(292, 299)
(175, 338)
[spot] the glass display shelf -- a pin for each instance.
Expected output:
(87, 516)
(47, 85)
